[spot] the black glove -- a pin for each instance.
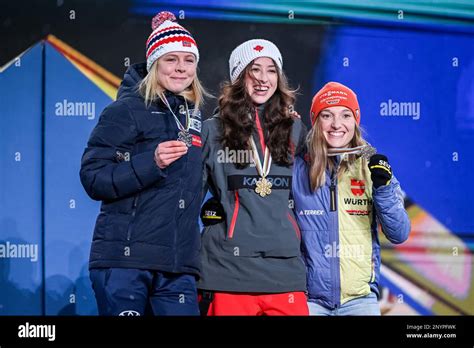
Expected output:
(212, 212)
(380, 170)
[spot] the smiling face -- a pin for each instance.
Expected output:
(338, 126)
(176, 71)
(261, 81)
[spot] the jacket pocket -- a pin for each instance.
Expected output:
(117, 227)
(230, 232)
(100, 226)
(295, 226)
(132, 221)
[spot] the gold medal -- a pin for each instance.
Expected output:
(264, 187)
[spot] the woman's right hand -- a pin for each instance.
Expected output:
(169, 151)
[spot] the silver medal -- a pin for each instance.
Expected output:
(186, 138)
(365, 151)
(368, 151)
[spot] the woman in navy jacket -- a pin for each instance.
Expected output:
(143, 161)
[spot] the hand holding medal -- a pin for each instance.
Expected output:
(169, 151)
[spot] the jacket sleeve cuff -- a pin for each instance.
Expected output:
(145, 168)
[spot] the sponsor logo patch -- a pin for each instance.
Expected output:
(279, 182)
(196, 140)
(129, 313)
(357, 187)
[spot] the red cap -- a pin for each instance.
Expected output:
(334, 94)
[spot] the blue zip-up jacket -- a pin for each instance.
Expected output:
(338, 224)
(149, 216)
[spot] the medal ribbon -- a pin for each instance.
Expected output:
(176, 119)
(267, 160)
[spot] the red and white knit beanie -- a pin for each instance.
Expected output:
(168, 36)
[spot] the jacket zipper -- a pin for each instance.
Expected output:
(234, 216)
(332, 190)
(295, 226)
(260, 131)
(175, 239)
(134, 211)
(333, 207)
(372, 277)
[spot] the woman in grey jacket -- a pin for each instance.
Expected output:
(251, 262)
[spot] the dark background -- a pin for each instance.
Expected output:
(107, 33)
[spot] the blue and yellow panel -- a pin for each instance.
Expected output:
(415, 92)
(76, 92)
(21, 254)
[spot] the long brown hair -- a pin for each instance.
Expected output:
(235, 104)
(318, 154)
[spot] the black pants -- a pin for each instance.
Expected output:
(135, 292)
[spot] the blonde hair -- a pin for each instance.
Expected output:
(318, 154)
(150, 89)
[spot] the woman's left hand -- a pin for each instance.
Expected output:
(380, 170)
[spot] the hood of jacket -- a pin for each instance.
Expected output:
(132, 78)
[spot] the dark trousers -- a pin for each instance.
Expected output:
(136, 292)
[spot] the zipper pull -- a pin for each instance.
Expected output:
(332, 190)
